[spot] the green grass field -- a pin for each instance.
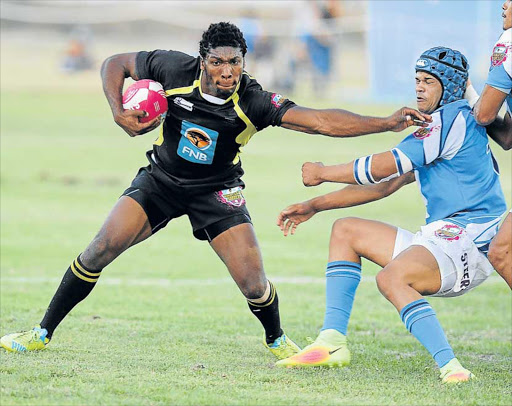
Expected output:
(166, 325)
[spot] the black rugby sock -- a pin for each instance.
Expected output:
(268, 315)
(77, 283)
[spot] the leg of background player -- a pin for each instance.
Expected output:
(239, 250)
(500, 251)
(403, 281)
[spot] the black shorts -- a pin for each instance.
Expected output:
(210, 212)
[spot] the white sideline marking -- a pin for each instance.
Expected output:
(160, 282)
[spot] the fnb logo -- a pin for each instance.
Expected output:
(197, 155)
(197, 143)
(198, 138)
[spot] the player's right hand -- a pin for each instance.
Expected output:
(311, 173)
(293, 215)
(128, 120)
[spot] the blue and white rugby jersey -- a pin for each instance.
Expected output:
(500, 71)
(456, 171)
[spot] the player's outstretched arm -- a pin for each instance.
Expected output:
(352, 195)
(343, 123)
(114, 71)
(370, 169)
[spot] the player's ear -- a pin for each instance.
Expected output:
(202, 64)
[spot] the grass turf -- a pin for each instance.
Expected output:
(166, 325)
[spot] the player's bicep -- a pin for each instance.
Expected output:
(488, 105)
(301, 119)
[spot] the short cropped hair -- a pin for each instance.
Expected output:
(222, 35)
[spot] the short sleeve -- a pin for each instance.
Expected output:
(170, 68)
(442, 139)
(500, 71)
(265, 108)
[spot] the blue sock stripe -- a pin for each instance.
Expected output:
(334, 264)
(412, 306)
(421, 321)
(342, 279)
(344, 274)
(418, 315)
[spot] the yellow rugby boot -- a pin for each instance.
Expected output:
(454, 372)
(32, 340)
(282, 347)
(328, 350)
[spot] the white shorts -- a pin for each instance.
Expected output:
(462, 265)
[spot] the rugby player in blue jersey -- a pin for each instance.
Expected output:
(458, 178)
(497, 91)
(194, 169)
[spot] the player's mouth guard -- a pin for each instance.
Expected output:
(363, 168)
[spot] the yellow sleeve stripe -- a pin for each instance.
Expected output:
(183, 90)
(244, 137)
(79, 275)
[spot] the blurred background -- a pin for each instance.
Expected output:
(341, 50)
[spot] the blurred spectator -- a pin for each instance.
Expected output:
(317, 25)
(77, 57)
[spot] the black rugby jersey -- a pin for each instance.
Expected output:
(200, 141)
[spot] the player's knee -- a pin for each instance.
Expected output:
(344, 230)
(498, 254)
(387, 281)
(253, 289)
(101, 252)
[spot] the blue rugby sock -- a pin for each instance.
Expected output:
(421, 321)
(342, 279)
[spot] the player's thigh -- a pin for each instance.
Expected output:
(126, 225)
(369, 239)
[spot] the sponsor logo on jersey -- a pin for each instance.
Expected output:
(231, 197)
(449, 232)
(425, 132)
(197, 143)
(180, 101)
(499, 54)
(198, 138)
(277, 100)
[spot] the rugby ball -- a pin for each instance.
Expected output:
(146, 95)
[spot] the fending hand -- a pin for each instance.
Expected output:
(311, 173)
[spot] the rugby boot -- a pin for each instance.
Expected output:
(282, 347)
(328, 350)
(32, 340)
(454, 372)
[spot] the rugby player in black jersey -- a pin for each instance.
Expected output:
(194, 169)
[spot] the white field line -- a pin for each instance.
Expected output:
(160, 282)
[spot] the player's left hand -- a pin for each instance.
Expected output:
(293, 215)
(406, 117)
(311, 173)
